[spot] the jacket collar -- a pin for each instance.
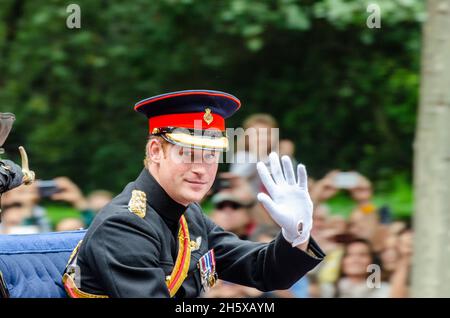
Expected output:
(157, 198)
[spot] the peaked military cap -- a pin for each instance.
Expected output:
(190, 118)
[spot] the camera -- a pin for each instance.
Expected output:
(346, 180)
(47, 188)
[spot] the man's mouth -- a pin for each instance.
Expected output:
(196, 182)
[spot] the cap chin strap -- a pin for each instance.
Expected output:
(198, 142)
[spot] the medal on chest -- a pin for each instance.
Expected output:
(207, 266)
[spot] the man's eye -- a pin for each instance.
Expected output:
(210, 156)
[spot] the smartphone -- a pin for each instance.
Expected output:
(47, 188)
(346, 180)
(385, 214)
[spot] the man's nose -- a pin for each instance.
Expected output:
(198, 168)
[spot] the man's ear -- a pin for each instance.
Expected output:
(155, 151)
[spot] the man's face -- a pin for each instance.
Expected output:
(363, 225)
(231, 216)
(27, 195)
(356, 260)
(97, 201)
(186, 174)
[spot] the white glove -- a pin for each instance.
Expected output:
(289, 203)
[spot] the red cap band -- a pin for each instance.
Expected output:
(187, 120)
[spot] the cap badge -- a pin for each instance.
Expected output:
(208, 117)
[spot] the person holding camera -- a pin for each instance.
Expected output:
(65, 190)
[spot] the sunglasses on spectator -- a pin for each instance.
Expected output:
(12, 205)
(232, 205)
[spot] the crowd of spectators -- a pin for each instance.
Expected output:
(368, 253)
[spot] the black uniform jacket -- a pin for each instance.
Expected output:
(124, 255)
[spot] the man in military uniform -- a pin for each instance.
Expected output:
(153, 240)
(12, 175)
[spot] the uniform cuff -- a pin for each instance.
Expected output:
(313, 250)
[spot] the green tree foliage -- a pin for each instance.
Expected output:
(346, 94)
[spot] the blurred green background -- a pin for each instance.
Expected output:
(346, 94)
